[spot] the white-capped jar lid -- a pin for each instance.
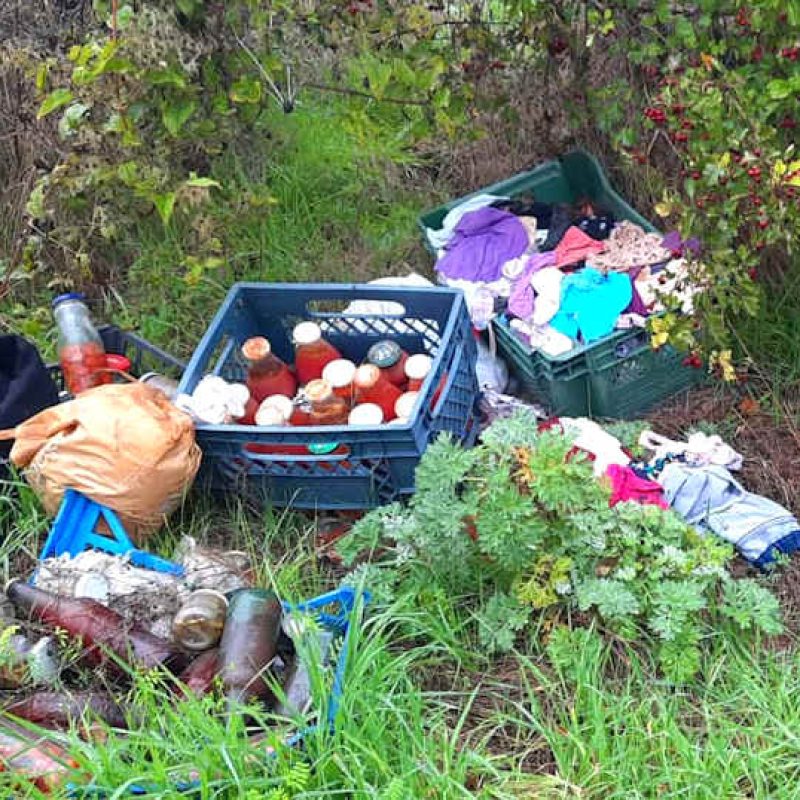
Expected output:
(418, 366)
(339, 372)
(270, 416)
(306, 333)
(399, 421)
(366, 414)
(405, 404)
(281, 402)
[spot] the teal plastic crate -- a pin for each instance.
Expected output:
(618, 376)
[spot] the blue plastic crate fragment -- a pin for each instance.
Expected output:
(338, 622)
(347, 467)
(75, 529)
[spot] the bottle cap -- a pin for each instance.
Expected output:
(339, 373)
(270, 416)
(306, 333)
(256, 348)
(366, 414)
(318, 391)
(384, 354)
(280, 402)
(405, 404)
(63, 298)
(367, 375)
(418, 366)
(121, 363)
(399, 421)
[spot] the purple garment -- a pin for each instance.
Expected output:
(636, 305)
(482, 242)
(521, 300)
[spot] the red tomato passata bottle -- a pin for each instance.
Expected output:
(372, 386)
(391, 359)
(80, 348)
(311, 352)
(339, 374)
(266, 373)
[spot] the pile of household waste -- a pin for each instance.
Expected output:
(694, 478)
(563, 275)
(204, 623)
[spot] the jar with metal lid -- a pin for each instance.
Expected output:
(199, 622)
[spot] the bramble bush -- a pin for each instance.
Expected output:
(518, 528)
(713, 110)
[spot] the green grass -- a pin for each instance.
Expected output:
(319, 200)
(426, 715)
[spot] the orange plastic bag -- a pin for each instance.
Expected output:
(123, 445)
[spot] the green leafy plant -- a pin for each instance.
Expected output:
(525, 530)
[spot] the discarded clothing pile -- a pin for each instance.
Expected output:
(694, 479)
(562, 276)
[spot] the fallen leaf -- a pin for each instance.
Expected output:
(749, 406)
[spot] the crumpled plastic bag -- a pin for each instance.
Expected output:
(122, 445)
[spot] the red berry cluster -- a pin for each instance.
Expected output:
(657, 115)
(693, 360)
(791, 53)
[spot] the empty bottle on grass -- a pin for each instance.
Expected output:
(249, 643)
(97, 627)
(201, 675)
(34, 760)
(61, 709)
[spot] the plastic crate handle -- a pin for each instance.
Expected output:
(301, 458)
(632, 346)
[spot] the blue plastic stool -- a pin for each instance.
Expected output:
(75, 530)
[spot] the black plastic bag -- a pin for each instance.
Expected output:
(26, 388)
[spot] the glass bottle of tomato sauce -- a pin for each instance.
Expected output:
(372, 386)
(266, 373)
(80, 348)
(311, 352)
(391, 359)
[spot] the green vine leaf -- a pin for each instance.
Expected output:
(176, 114)
(55, 100)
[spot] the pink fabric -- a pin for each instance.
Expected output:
(627, 485)
(576, 246)
(521, 301)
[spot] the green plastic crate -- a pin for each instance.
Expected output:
(619, 376)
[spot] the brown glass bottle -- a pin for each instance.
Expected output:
(97, 627)
(249, 642)
(200, 675)
(61, 709)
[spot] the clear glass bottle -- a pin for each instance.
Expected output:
(372, 386)
(326, 407)
(80, 348)
(312, 353)
(266, 373)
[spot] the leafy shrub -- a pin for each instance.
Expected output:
(714, 110)
(520, 526)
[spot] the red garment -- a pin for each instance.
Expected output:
(627, 485)
(576, 246)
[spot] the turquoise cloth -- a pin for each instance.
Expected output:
(591, 303)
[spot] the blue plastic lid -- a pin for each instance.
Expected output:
(62, 298)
